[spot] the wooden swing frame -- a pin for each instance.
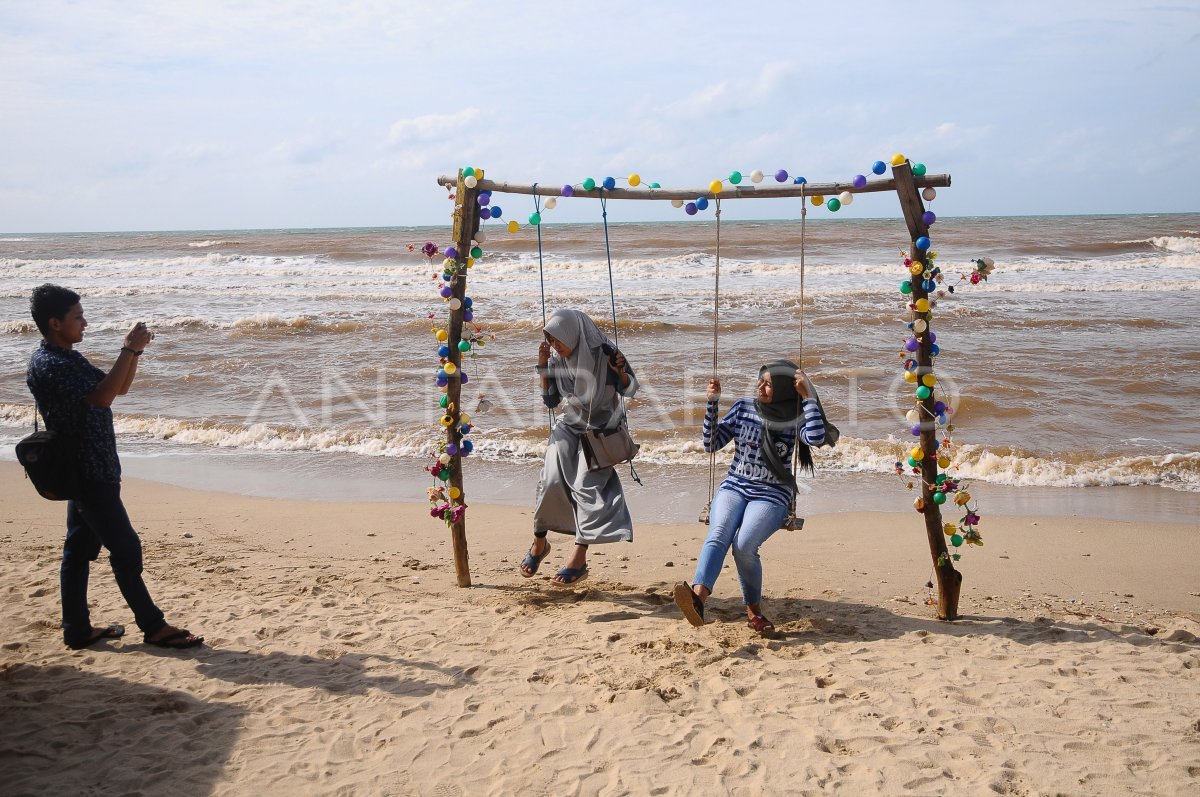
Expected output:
(903, 182)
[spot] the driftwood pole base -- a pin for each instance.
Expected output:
(949, 580)
(466, 224)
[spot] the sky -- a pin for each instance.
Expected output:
(166, 115)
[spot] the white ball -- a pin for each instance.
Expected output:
(756, 176)
(912, 416)
(929, 194)
(480, 236)
(919, 325)
(846, 197)
(455, 303)
(551, 203)
(678, 203)
(470, 181)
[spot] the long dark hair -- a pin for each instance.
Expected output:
(782, 413)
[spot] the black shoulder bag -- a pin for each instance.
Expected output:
(51, 462)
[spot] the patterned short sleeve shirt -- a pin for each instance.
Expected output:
(60, 381)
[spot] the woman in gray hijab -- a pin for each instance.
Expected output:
(581, 369)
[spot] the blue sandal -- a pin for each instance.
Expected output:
(533, 562)
(569, 575)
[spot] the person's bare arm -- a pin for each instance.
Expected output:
(120, 377)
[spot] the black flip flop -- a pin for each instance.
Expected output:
(99, 634)
(688, 603)
(179, 640)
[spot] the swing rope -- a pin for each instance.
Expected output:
(612, 293)
(537, 208)
(791, 522)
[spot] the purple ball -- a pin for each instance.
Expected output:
(451, 448)
(442, 381)
(484, 199)
(690, 208)
(451, 253)
(781, 176)
(446, 291)
(463, 377)
(929, 217)
(933, 337)
(485, 213)
(916, 430)
(468, 315)
(939, 407)
(568, 190)
(912, 344)
(860, 181)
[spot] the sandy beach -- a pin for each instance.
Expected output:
(343, 659)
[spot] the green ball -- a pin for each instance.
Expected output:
(941, 477)
(535, 219)
(956, 540)
(476, 252)
(906, 287)
(444, 402)
(834, 204)
(589, 184)
(939, 498)
(469, 171)
(464, 345)
(912, 463)
(735, 177)
(919, 169)
(923, 392)
(655, 185)
(444, 474)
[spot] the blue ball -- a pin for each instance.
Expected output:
(702, 203)
(935, 350)
(443, 350)
(496, 211)
(468, 302)
(609, 183)
(922, 243)
(466, 428)
(879, 167)
(467, 447)
(929, 285)
(800, 181)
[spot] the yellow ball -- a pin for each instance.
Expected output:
(715, 186)
(917, 454)
(950, 529)
(450, 368)
(943, 462)
(929, 380)
(898, 159)
(470, 262)
(910, 376)
(454, 492)
(922, 305)
(447, 420)
(963, 498)
(513, 226)
(818, 199)
(443, 335)
(916, 269)
(464, 417)
(634, 179)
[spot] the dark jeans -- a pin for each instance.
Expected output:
(98, 519)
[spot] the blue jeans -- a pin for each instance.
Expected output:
(98, 518)
(736, 520)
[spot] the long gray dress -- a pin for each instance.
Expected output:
(570, 498)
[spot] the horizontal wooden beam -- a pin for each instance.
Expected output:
(688, 194)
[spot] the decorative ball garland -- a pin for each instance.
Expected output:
(947, 489)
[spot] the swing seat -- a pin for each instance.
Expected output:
(790, 523)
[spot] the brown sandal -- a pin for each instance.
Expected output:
(762, 625)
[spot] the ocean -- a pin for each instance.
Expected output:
(300, 363)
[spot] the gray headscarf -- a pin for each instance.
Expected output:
(582, 377)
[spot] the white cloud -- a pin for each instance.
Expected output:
(430, 127)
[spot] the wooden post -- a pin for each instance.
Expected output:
(949, 580)
(466, 224)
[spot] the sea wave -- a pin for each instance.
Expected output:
(1172, 243)
(996, 464)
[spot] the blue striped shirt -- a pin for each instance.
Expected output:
(749, 473)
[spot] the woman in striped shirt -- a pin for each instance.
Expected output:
(754, 497)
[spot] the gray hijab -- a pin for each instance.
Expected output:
(582, 376)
